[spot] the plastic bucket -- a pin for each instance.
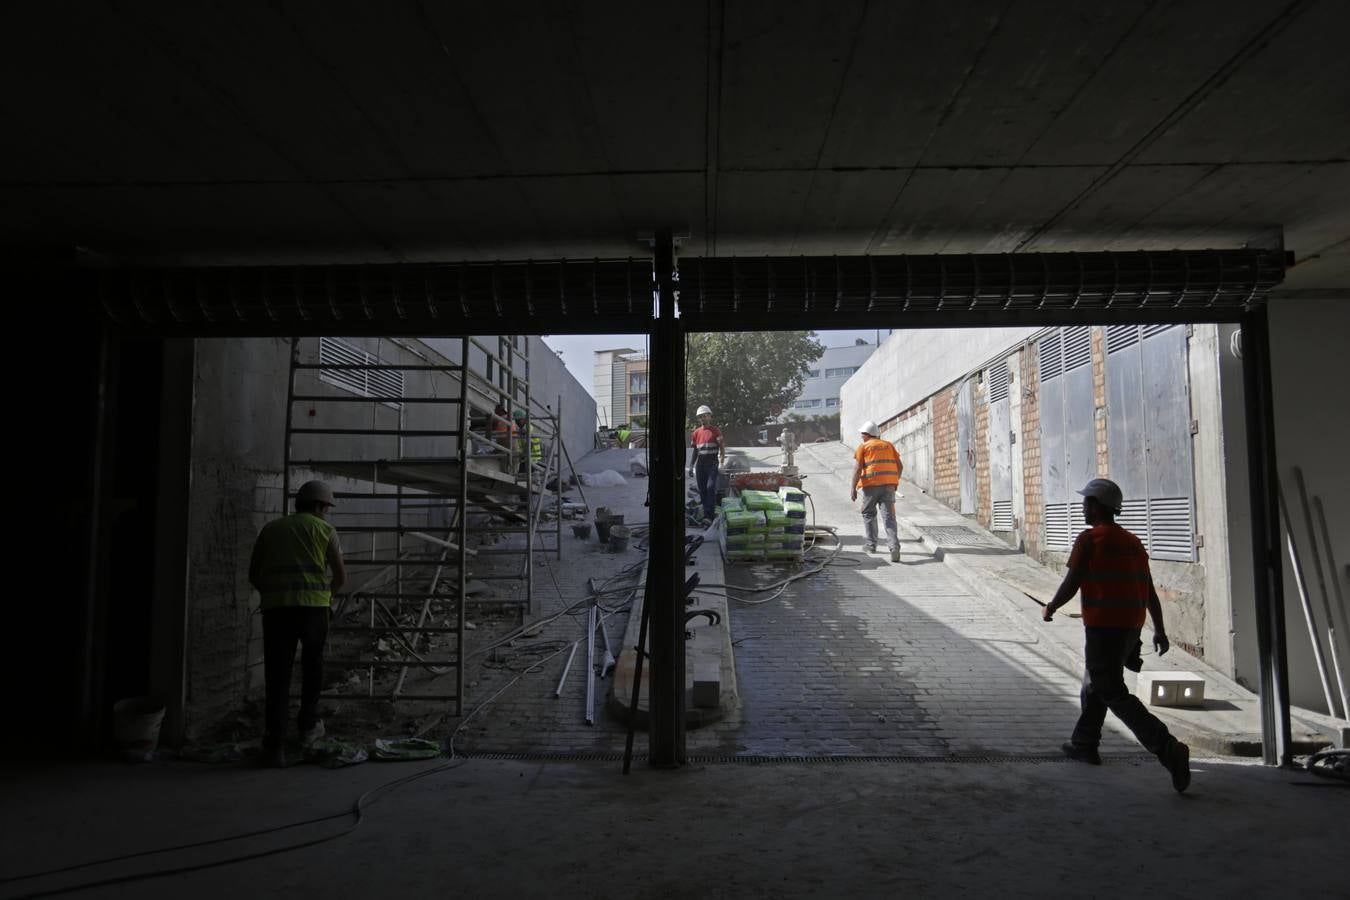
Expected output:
(136, 724)
(582, 530)
(618, 538)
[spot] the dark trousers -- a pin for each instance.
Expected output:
(1106, 650)
(283, 628)
(705, 476)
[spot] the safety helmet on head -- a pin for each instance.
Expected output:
(704, 410)
(1105, 492)
(518, 414)
(869, 427)
(314, 492)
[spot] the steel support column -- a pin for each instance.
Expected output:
(665, 570)
(1267, 565)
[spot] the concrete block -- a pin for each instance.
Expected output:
(1172, 688)
(707, 690)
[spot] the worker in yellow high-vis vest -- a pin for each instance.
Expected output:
(291, 564)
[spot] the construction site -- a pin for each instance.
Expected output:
(671, 464)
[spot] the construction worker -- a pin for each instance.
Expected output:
(877, 472)
(535, 445)
(1110, 566)
(500, 430)
(709, 453)
(289, 567)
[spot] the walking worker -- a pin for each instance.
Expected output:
(877, 472)
(709, 454)
(289, 567)
(1110, 566)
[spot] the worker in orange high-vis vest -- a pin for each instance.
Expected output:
(877, 472)
(1110, 567)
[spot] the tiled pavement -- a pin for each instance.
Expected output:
(866, 658)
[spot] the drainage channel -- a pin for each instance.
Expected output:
(760, 760)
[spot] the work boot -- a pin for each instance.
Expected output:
(312, 734)
(895, 554)
(1088, 755)
(870, 548)
(1177, 759)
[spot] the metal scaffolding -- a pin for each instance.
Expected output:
(431, 480)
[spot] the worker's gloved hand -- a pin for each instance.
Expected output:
(1161, 643)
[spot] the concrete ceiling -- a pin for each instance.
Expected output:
(314, 131)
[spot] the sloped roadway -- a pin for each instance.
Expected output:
(873, 658)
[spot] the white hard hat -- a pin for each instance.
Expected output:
(314, 492)
(869, 427)
(1105, 492)
(704, 410)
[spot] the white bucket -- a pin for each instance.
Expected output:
(136, 723)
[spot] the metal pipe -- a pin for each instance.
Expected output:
(462, 552)
(1335, 579)
(590, 665)
(1322, 586)
(1297, 566)
(567, 667)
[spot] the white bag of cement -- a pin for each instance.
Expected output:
(607, 478)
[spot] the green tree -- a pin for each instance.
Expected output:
(744, 375)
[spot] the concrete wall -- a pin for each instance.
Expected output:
(1312, 431)
(912, 365)
(549, 379)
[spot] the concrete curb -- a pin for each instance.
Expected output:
(710, 570)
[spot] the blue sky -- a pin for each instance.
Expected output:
(577, 349)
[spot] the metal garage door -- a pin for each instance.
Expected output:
(1000, 448)
(1068, 433)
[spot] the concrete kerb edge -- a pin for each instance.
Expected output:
(620, 693)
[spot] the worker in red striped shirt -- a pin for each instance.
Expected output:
(1110, 566)
(709, 453)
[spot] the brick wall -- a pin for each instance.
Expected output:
(983, 504)
(946, 465)
(1030, 439)
(1099, 397)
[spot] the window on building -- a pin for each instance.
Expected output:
(812, 373)
(841, 372)
(832, 401)
(637, 404)
(374, 383)
(637, 383)
(806, 404)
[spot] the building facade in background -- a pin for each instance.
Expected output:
(621, 387)
(825, 378)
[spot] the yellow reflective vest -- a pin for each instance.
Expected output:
(293, 561)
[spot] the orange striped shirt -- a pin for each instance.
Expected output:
(1115, 577)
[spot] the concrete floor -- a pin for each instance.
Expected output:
(530, 829)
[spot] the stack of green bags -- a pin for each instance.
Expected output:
(764, 525)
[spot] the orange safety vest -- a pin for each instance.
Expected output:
(1116, 580)
(881, 465)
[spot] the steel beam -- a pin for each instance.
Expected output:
(1267, 567)
(665, 482)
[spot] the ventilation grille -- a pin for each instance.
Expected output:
(1052, 365)
(375, 383)
(1063, 523)
(998, 381)
(1003, 515)
(1151, 330)
(1134, 518)
(1077, 347)
(1118, 337)
(1170, 533)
